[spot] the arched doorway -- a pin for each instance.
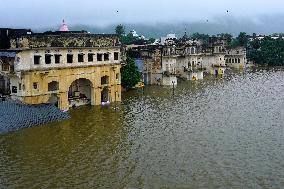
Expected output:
(80, 92)
(53, 99)
(105, 95)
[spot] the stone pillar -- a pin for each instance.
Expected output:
(97, 96)
(118, 94)
(112, 94)
(63, 101)
(103, 57)
(93, 96)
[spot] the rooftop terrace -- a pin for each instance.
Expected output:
(64, 40)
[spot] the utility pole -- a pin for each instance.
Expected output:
(115, 100)
(173, 82)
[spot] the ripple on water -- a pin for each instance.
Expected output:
(217, 133)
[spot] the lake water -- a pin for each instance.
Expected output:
(217, 133)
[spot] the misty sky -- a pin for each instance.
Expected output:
(48, 13)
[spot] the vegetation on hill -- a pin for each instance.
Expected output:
(129, 39)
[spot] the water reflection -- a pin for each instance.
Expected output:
(217, 133)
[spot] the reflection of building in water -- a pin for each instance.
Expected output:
(64, 68)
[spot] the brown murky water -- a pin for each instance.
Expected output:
(217, 133)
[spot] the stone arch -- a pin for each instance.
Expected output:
(80, 92)
(105, 97)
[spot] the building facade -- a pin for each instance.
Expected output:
(236, 57)
(64, 68)
(184, 58)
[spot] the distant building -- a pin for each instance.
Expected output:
(66, 68)
(170, 38)
(7, 33)
(6, 57)
(134, 33)
(236, 57)
(187, 58)
(63, 27)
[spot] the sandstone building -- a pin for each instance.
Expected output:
(187, 58)
(63, 68)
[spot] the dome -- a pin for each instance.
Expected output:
(63, 27)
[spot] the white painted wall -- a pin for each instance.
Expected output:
(169, 64)
(25, 59)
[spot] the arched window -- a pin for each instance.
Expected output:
(105, 80)
(53, 86)
(192, 50)
(239, 60)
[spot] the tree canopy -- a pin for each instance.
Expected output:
(120, 30)
(242, 39)
(227, 36)
(267, 52)
(130, 75)
(202, 37)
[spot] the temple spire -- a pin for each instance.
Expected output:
(185, 37)
(63, 27)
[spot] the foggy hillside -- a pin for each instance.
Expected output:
(262, 25)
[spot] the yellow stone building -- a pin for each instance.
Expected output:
(65, 68)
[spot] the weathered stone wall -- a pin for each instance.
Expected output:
(65, 77)
(64, 40)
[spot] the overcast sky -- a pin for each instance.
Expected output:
(39, 13)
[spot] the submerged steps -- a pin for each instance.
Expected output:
(15, 115)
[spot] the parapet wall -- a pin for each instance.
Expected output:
(34, 41)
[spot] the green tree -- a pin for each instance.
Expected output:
(128, 39)
(151, 40)
(242, 39)
(227, 36)
(266, 52)
(202, 37)
(130, 75)
(120, 30)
